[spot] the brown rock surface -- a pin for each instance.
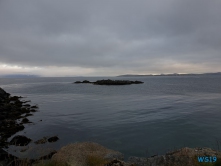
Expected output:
(80, 154)
(181, 157)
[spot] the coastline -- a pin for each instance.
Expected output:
(14, 113)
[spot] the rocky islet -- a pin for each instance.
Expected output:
(109, 82)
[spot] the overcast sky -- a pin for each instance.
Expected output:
(109, 37)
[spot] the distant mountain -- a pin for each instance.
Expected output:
(175, 74)
(218, 73)
(18, 76)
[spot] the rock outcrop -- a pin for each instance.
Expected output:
(93, 154)
(13, 113)
(53, 139)
(182, 157)
(20, 140)
(86, 153)
(12, 108)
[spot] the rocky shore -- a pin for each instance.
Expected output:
(14, 113)
(93, 154)
(109, 82)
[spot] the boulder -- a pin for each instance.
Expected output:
(25, 120)
(53, 139)
(20, 140)
(86, 153)
(41, 141)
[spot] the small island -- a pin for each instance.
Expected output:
(109, 82)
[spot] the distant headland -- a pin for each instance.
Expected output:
(174, 74)
(18, 76)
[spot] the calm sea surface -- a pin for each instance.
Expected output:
(164, 113)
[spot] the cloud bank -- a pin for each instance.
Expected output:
(82, 37)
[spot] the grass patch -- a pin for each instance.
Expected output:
(92, 160)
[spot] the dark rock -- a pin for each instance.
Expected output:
(137, 82)
(34, 106)
(20, 140)
(11, 110)
(25, 120)
(116, 82)
(111, 82)
(3, 154)
(24, 110)
(23, 150)
(15, 114)
(26, 101)
(2, 117)
(22, 162)
(86, 81)
(6, 159)
(33, 110)
(18, 103)
(19, 127)
(28, 114)
(14, 98)
(83, 82)
(41, 141)
(26, 105)
(3, 94)
(53, 139)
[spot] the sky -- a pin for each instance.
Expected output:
(109, 37)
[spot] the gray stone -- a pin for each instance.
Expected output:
(138, 161)
(116, 155)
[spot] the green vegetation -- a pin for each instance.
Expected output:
(93, 160)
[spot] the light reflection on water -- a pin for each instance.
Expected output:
(161, 114)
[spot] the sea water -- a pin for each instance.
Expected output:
(164, 113)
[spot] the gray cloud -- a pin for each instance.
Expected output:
(120, 36)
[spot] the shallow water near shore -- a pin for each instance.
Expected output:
(164, 113)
